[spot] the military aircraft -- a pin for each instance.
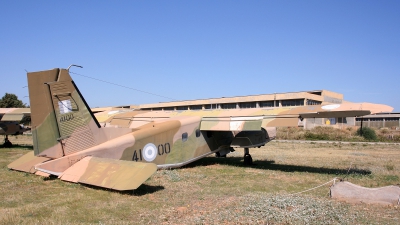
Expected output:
(121, 149)
(10, 119)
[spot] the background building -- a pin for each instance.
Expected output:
(301, 98)
(252, 101)
(379, 120)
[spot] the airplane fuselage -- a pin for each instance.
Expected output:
(11, 128)
(168, 144)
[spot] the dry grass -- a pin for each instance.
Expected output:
(215, 190)
(335, 134)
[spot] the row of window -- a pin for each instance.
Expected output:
(191, 107)
(267, 104)
(228, 106)
(378, 119)
(294, 102)
(244, 105)
(313, 102)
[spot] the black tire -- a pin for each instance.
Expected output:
(7, 144)
(248, 160)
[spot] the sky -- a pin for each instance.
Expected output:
(160, 51)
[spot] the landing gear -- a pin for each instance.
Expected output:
(222, 153)
(218, 155)
(7, 143)
(247, 157)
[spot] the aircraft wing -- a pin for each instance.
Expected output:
(14, 114)
(346, 110)
(109, 173)
(330, 114)
(246, 123)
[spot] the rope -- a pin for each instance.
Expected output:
(351, 164)
(333, 180)
(123, 86)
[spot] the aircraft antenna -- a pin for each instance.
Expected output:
(119, 85)
(74, 65)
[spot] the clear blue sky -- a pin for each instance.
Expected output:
(202, 49)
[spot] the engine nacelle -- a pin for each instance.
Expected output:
(251, 139)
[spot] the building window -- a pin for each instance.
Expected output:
(316, 93)
(267, 104)
(169, 108)
(313, 102)
(228, 106)
(244, 105)
(211, 106)
(293, 102)
(181, 108)
(157, 109)
(195, 107)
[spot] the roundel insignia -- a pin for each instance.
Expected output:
(149, 152)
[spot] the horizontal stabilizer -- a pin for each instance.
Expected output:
(27, 162)
(14, 114)
(12, 117)
(231, 123)
(335, 114)
(109, 173)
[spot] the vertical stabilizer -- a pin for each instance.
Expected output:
(62, 122)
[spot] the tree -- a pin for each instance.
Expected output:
(11, 101)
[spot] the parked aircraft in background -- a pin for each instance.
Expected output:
(120, 149)
(10, 119)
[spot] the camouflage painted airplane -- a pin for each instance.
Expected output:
(121, 149)
(10, 119)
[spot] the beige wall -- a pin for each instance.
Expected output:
(322, 96)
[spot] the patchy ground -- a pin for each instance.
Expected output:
(214, 190)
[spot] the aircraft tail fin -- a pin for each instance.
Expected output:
(62, 122)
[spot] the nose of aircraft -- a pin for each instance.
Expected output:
(23, 128)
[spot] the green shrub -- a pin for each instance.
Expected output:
(367, 133)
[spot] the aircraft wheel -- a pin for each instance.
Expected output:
(7, 144)
(218, 155)
(248, 160)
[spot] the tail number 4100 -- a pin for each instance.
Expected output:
(150, 152)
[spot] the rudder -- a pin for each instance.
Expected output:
(62, 122)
